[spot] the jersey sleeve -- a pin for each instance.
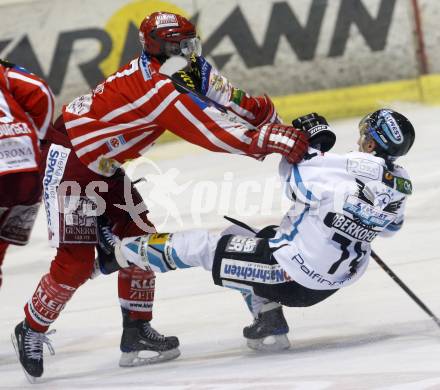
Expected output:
(301, 184)
(397, 224)
(34, 96)
(207, 80)
(398, 206)
(200, 123)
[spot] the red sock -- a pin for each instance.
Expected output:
(136, 292)
(47, 302)
(3, 246)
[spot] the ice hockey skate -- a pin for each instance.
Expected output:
(141, 344)
(269, 330)
(28, 346)
(105, 262)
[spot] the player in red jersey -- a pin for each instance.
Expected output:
(98, 132)
(26, 112)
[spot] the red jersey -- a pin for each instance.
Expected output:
(122, 117)
(26, 112)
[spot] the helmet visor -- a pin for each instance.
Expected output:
(191, 46)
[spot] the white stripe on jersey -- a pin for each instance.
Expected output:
(78, 122)
(95, 145)
(136, 104)
(210, 136)
(241, 111)
(142, 121)
(120, 110)
(41, 131)
(4, 107)
(235, 131)
(107, 130)
(94, 166)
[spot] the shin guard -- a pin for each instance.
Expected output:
(46, 303)
(136, 292)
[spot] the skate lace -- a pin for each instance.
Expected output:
(108, 236)
(255, 323)
(33, 343)
(152, 333)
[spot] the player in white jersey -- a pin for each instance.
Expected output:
(340, 204)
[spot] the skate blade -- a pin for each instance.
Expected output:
(31, 379)
(269, 344)
(132, 359)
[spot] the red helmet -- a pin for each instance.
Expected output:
(161, 34)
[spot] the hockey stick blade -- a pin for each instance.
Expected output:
(404, 287)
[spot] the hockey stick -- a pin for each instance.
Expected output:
(404, 287)
(321, 135)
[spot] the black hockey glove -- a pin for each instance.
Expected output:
(316, 126)
(190, 77)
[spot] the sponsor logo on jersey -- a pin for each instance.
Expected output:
(17, 225)
(145, 67)
(17, 154)
(16, 151)
(55, 165)
(79, 220)
(116, 142)
(253, 272)
(351, 228)
(316, 277)
(205, 71)
(382, 200)
(367, 214)
(13, 129)
(403, 185)
(237, 95)
(218, 83)
(364, 168)
(239, 244)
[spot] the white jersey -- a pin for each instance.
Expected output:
(341, 203)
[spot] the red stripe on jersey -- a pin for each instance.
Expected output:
(126, 113)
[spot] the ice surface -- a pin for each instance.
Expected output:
(368, 336)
